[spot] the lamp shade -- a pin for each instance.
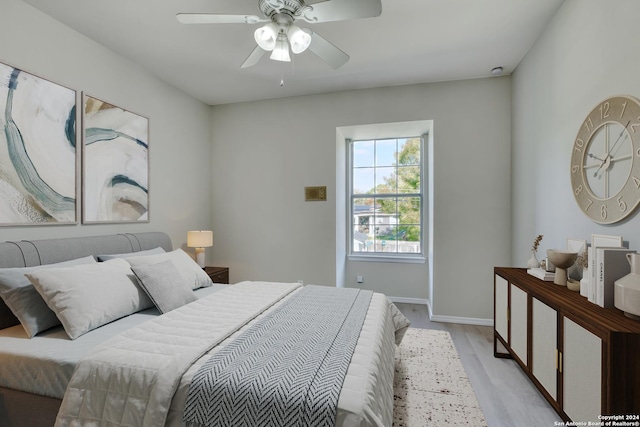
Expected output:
(299, 40)
(199, 239)
(281, 51)
(266, 36)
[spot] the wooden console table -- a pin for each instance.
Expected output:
(583, 358)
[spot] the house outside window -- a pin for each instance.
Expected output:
(386, 197)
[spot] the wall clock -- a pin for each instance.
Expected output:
(605, 162)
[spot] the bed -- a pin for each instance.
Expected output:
(36, 372)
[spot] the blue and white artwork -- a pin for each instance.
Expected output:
(37, 150)
(115, 164)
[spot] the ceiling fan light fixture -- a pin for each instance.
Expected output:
(299, 40)
(266, 36)
(281, 50)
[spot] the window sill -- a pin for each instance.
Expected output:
(382, 258)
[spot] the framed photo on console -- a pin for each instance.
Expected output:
(115, 164)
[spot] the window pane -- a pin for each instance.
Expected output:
(363, 224)
(409, 238)
(363, 180)
(386, 218)
(363, 154)
(386, 180)
(409, 179)
(409, 151)
(386, 152)
(409, 210)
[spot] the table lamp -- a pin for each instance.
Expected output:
(200, 239)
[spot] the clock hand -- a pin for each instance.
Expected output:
(594, 157)
(625, 157)
(604, 162)
(618, 140)
(607, 158)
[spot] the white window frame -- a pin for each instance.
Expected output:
(401, 257)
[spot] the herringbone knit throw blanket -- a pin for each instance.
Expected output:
(286, 370)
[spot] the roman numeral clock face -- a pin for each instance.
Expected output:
(605, 162)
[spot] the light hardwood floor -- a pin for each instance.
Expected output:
(505, 394)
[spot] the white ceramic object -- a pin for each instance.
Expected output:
(562, 260)
(533, 261)
(626, 292)
(573, 285)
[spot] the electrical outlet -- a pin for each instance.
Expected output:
(360, 279)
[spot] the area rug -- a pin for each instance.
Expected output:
(430, 386)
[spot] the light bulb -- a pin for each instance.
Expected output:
(266, 36)
(299, 40)
(281, 51)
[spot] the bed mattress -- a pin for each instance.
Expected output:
(44, 364)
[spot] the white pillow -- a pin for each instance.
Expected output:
(85, 297)
(191, 272)
(25, 302)
(146, 252)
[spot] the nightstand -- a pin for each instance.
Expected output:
(218, 274)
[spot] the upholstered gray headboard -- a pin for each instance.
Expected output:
(27, 253)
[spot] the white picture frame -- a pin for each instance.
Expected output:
(603, 240)
(577, 245)
(580, 247)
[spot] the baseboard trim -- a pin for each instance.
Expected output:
(442, 319)
(460, 320)
(406, 300)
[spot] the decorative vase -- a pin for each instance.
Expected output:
(533, 261)
(584, 283)
(562, 260)
(626, 291)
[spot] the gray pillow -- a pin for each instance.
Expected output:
(85, 297)
(191, 272)
(153, 251)
(23, 300)
(165, 285)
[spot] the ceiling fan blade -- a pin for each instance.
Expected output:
(340, 10)
(326, 50)
(216, 18)
(253, 57)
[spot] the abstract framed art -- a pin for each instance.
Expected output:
(38, 155)
(115, 164)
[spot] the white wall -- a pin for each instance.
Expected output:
(265, 153)
(179, 125)
(588, 52)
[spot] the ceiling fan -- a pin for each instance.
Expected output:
(279, 33)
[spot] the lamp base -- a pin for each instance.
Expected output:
(200, 257)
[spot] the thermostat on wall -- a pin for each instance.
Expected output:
(315, 194)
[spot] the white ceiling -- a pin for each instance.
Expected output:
(413, 41)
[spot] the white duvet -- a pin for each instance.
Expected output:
(141, 376)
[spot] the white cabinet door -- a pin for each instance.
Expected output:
(544, 340)
(502, 301)
(519, 323)
(582, 373)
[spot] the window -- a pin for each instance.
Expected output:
(386, 197)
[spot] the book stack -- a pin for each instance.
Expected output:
(607, 263)
(541, 274)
